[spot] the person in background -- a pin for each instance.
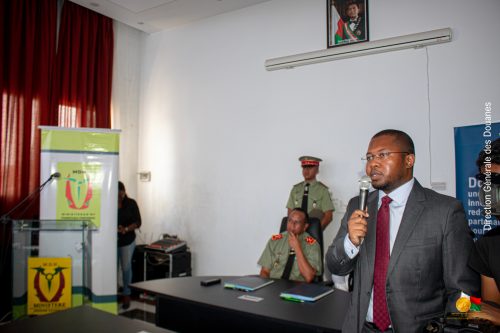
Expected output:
(485, 259)
(408, 249)
(129, 219)
(293, 254)
(311, 195)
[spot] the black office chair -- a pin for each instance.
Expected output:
(314, 229)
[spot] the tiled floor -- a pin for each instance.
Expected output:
(140, 310)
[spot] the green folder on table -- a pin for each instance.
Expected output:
(306, 292)
(248, 283)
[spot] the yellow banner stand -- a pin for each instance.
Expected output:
(86, 160)
(49, 285)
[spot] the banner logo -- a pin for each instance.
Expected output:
(74, 185)
(49, 285)
(79, 192)
(47, 279)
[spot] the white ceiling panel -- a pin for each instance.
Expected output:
(157, 15)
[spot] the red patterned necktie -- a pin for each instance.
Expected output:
(382, 254)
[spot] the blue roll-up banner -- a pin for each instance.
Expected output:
(469, 141)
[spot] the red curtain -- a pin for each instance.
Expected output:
(27, 58)
(73, 90)
(84, 68)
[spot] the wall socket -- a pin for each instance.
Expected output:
(145, 176)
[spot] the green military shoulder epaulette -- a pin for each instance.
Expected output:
(298, 184)
(322, 184)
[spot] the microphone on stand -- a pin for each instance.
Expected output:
(38, 190)
(55, 175)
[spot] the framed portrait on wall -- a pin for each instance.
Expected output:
(347, 22)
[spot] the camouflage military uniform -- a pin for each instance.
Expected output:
(275, 255)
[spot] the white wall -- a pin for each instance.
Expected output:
(125, 100)
(221, 135)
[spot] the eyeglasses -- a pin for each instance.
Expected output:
(381, 156)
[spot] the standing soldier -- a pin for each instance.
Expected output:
(311, 195)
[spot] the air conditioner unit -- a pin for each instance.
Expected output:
(417, 40)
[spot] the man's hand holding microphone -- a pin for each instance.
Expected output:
(357, 226)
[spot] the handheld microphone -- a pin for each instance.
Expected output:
(364, 186)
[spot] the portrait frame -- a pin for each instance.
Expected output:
(343, 29)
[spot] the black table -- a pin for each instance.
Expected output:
(183, 305)
(82, 319)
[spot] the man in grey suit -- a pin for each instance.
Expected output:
(408, 251)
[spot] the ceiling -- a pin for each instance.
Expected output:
(156, 15)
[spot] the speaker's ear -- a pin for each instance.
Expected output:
(410, 160)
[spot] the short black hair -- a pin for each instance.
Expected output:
(352, 3)
(494, 153)
(403, 139)
(298, 209)
(121, 187)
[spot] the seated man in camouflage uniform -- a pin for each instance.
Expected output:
(293, 254)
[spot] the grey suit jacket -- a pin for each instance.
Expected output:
(428, 265)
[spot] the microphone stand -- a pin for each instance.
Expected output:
(5, 217)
